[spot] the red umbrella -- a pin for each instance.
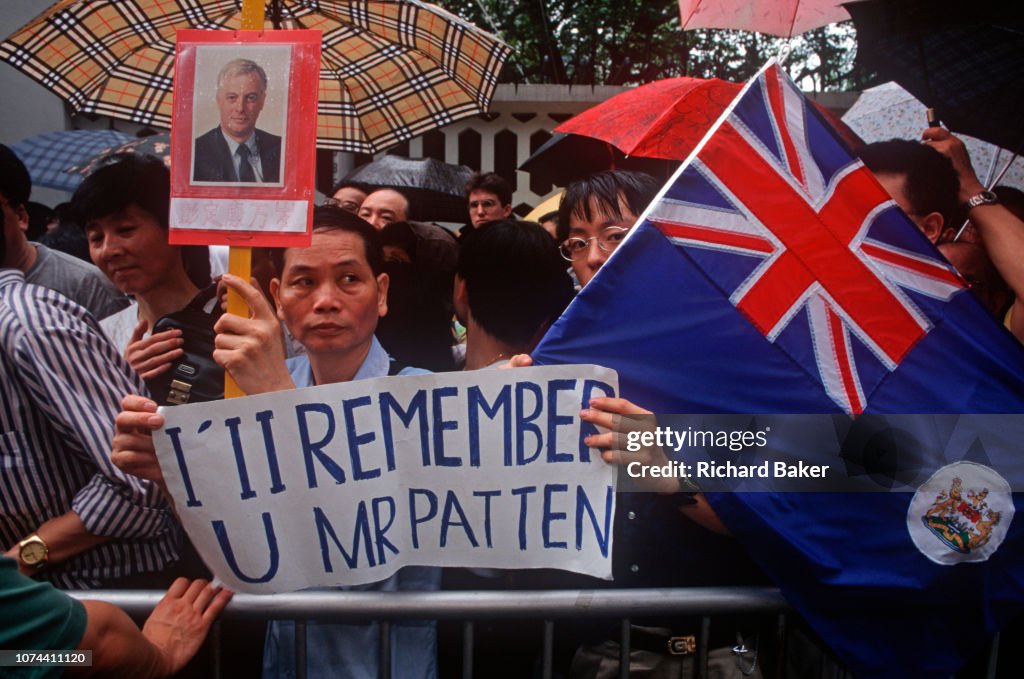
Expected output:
(667, 118)
(663, 119)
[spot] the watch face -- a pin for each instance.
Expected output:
(33, 553)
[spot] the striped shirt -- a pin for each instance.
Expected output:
(62, 385)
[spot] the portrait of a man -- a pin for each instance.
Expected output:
(237, 150)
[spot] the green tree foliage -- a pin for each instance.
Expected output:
(628, 42)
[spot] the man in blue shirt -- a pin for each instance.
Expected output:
(330, 296)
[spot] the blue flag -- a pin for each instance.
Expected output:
(773, 274)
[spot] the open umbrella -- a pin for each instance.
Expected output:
(390, 69)
(436, 190)
(48, 155)
(963, 60)
(155, 145)
(888, 111)
(784, 18)
(663, 120)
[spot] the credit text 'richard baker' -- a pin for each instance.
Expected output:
(665, 437)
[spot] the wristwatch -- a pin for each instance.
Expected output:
(983, 198)
(32, 551)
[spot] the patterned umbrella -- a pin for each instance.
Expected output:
(48, 155)
(888, 111)
(784, 18)
(156, 145)
(391, 69)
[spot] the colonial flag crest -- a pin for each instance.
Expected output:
(773, 274)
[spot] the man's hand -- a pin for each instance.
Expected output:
(179, 623)
(951, 146)
(155, 354)
(132, 449)
(517, 361)
(171, 636)
(607, 413)
(252, 349)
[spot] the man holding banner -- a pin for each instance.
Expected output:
(330, 297)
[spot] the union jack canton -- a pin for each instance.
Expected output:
(806, 244)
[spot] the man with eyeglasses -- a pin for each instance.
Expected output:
(596, 213)
(662, 538)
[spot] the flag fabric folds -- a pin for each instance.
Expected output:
(773, 274)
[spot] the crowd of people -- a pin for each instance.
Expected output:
(83, 504)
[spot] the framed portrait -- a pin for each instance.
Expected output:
(243, 137)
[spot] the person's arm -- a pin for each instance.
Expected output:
(170, 637)
(79, 377)
(252, 349)
(65, 536)
(1001, 232)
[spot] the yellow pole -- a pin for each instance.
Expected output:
(240, 258)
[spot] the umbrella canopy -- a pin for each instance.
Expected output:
(661, 121)
(887, 111)
(567, 157)
(156, 145)
(436, 190)
(390, 69)
(48, 155)
(784, 18)
(964, 61)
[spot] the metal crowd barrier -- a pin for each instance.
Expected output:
(469, 606)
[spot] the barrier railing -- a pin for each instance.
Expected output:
(469, 606)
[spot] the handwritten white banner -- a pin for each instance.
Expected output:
(347, 483)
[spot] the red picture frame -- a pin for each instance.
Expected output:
(256, 89)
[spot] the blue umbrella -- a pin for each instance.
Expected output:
(48, 155)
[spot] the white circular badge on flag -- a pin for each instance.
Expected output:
(961, 514)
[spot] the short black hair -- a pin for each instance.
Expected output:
(515, 280)
(334, 218)
(604, 188)
(346, 183)
(129, 179)
(491, 182)
(15, 183)
(932, 184)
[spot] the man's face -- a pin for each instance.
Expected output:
(383, 207)
(971, 261)
(328, 296)
(132, 250)
(350, 198)
(586, 263)
(240, 99)
(485, 206)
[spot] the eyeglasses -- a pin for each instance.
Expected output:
(347, 204)
(486, 203)
(608, 239)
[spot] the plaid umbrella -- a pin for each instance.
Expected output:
(963, 60)
(48, 155)
(156, 145)
(390, 70)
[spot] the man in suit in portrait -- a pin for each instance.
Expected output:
(235, 151)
